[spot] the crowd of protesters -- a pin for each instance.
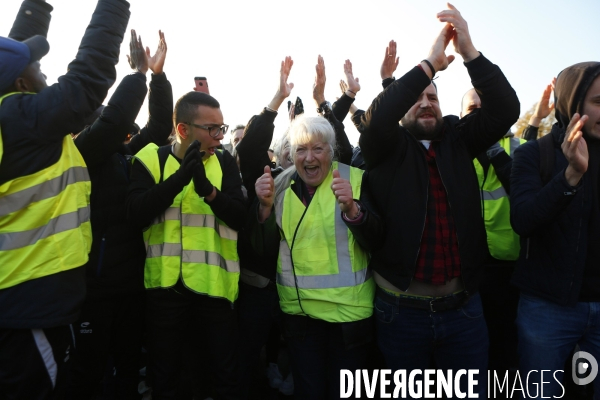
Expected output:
(439, 242)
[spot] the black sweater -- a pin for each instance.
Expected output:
(398, 171)
(117, 255)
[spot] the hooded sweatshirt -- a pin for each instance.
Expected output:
(571, 88)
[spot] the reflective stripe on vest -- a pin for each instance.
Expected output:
(188, 240)
(44, 219)
(347, 285)
(503, 242)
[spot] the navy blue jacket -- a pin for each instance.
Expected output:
(552, 221)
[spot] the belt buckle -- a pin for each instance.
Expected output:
(431, 305)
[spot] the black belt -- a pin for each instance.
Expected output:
(434, 304)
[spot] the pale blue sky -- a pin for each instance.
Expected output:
(238, 45)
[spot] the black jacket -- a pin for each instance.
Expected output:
(552, 220)
(398, 171)
(116, 262)
(33, 128)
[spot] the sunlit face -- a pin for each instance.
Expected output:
(470, 102)
(312, 161)
(206, 116)
(236, 137)
(424, 119)
(591, 108)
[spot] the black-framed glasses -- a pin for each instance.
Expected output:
(213, 131)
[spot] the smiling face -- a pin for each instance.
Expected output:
(591, 108)
(313, 161)
(424, 119)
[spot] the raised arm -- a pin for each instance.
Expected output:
(105, 136)
(252, 151)
(32, 19)
(499, 103)
(344, 148)
(350, 87)
(542, 109)
(160, 102)
(379, 124)
(82, 89)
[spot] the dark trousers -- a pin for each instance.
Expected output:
(33, 362)
(319, 350)
(500, 301)
(259, 311)
(171, 315)
(107, 326)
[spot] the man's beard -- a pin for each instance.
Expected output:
(424, 133)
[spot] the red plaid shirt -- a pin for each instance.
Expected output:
(438, 260)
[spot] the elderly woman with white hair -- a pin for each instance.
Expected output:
(326, 291)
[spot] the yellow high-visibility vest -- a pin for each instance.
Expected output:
(503, 242)
(322, 271)
(45, 219)
(188, 240)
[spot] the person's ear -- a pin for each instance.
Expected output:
(22, 85)
(182, 130)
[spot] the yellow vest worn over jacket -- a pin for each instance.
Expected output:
(45, 219)
(322, 270)
(188, 240)
(503, 242)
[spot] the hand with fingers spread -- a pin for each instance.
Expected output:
(342, 190)
(157, 61)
(544, 107)
(285, 88)
(575, 150)
(461, 37)
(319, 86)
(353, 85)
(390, 61)
(265, 192)
(137, 57)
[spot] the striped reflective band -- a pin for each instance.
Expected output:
(197, 220)
(344, 278)
(45, 190)
(495, 194)
(192, 256)
(209, 221)
(62, 223)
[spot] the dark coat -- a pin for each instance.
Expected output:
(399, 177)
(33, 128)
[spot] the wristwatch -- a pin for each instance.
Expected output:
(324, 108)
(357, 216)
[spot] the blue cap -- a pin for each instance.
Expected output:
(15, 56)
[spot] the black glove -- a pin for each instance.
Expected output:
(201, 182)
(190, 160)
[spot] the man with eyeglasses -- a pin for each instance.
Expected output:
(188, 199)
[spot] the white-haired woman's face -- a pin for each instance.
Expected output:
(312, 161)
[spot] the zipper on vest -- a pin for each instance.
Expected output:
(101, 255)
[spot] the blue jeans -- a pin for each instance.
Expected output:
(411, 338)
(548, 334)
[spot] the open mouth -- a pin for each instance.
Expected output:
(311, 171)
(211, 150)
